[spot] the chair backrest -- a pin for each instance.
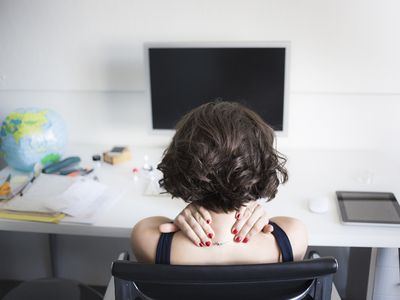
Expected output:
(307, 279)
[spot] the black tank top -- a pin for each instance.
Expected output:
(163, 254)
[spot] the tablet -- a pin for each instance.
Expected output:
(368, 208)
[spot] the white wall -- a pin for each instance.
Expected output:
(84, 59)
(338, 46)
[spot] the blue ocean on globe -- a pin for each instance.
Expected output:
(30, 136)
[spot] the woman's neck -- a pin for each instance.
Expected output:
(222, 225)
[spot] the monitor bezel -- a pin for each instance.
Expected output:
(269, 44)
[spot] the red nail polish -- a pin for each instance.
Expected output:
(237, 239)
(210, 235)
(234, 231)
(237, 216)
(200, 244)
(208, 221)
(208, 243)
(245, 240)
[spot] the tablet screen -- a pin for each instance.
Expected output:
(369, 207)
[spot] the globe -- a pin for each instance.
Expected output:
(30, 136)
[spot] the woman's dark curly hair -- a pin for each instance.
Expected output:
(221, 157)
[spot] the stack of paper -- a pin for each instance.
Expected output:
(31, 216)
(51, 197)
(84, 200)
(29, 213)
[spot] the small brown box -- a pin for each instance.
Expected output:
(117, 155)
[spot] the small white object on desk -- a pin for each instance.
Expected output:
(319, 204)
(153, 187)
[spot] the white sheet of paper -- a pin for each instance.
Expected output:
(98, 207)
(78, 198)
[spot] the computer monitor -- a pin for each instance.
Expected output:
(182, 76)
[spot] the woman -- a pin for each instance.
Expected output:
(221, 159)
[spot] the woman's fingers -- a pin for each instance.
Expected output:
(168, 227)
(240, 212)
(259, 225)
(252, 218)
(253, 221)
(192, 221)
(205, 214)
(205, 226)
(244, 213)
(188, 231)
(198, 230)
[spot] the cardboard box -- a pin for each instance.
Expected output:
(117, 155)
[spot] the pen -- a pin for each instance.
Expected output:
(28, 185)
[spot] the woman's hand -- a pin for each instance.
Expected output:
(251, 220)
(195, 223)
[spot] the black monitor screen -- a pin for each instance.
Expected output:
(184, 78)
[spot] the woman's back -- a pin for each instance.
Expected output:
(178, 249)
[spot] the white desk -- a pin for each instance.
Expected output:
(311, 173)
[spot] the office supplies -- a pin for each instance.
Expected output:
(77, 198)
(69, 162)
(135, 172)
(153, 188)
(31, 211)
(368, 208)
(5, 187)
(45, 187)
(77, 171)
(32, 216)
(117, 155)
(146, 166)
(69, 171)
(13, 186)
(96, 161)
(80, 198)
(28, 185)
(85, 200)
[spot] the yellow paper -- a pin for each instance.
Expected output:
(36, 217)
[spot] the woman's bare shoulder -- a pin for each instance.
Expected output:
(297, 233)
(144, 238)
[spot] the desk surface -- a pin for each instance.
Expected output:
(311, 173)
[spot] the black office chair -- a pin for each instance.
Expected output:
(307, 279)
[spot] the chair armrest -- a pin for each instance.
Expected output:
(123, 256)
(313, 254)
(334, 293)
(110, 291)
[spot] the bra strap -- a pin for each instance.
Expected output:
(283, 243)
(163, 253)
